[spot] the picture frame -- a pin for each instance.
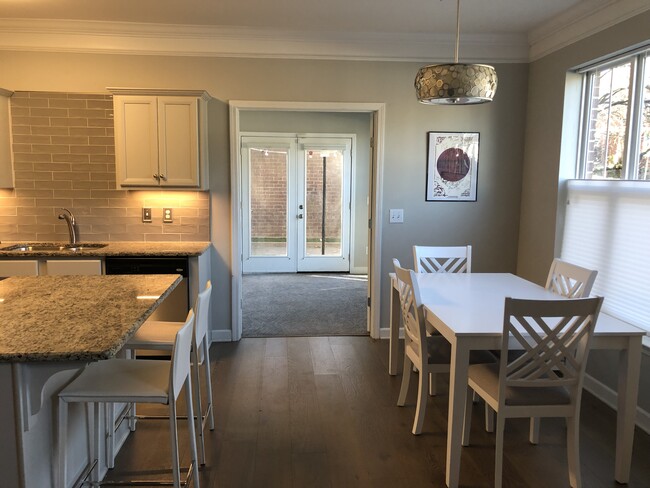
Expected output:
(452, 166)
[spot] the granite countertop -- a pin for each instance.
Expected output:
(75, 318)
(114, 249)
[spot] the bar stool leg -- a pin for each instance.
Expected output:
(208, 380)
(190, 430)
(199, 407)
(63, 440)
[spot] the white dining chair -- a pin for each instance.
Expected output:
(125, 381)
(546, 380)
(571, 281)
(442, 259)
(429, 354)
(159, 335)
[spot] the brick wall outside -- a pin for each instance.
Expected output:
(64, 156)
(268, 185)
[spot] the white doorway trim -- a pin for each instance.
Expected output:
(378, 111)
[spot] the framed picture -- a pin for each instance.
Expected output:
(452, 166)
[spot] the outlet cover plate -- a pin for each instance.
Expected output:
(146, 214)
(168, 215)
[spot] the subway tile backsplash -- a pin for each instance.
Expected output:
(64, 156)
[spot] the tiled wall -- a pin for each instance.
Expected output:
(64, 156)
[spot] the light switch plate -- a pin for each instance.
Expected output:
(168, 215)
(146, 214)
(396, 216)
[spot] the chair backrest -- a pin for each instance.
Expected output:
(202, 314)
(436, 259)
(554, 335)
(180, 364)
(570, 280)
(410, 306)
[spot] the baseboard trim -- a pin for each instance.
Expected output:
(608, 396)
(221, 335)
(363, 270)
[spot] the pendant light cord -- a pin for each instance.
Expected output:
(457, 30)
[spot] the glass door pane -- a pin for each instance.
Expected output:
(268, 201)
(324, 199)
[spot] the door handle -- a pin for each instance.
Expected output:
(300, 216)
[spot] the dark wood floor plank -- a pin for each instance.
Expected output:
(321, 412)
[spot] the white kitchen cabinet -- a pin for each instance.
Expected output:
(72, 267)
(18, 267)
(161, 138)
(6, 157)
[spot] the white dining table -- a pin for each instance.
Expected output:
(467, 309)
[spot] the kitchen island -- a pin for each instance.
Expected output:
(50, 327)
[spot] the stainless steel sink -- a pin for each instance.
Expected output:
(53, 247)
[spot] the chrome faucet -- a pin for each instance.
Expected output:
(70, 220)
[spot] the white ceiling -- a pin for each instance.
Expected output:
(496, 30)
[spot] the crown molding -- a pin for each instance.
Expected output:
(202, 94)
(579, 22)
(186, 40)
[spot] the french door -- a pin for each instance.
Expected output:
(296, 203)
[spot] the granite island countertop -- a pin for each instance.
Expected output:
(113, 249)
(70, 318)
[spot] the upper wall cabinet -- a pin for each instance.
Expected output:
(6, 157)
(161, 138)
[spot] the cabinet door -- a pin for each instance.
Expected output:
(178, 141)
(136, 140)
(6, 163)
(73, 267)
(18, 268)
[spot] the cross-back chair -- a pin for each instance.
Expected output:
(441, 259)
(546, 380)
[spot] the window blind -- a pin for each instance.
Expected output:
(607, 228)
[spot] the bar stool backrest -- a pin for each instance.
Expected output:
(180, 364)
(202, 317)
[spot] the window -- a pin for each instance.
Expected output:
(607, 213)
(616, 120)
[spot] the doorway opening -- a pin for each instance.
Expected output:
(250, 119)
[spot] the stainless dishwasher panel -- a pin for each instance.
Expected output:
(175, 307)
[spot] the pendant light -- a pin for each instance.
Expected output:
(457, 83)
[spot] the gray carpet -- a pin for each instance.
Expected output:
(304, 304)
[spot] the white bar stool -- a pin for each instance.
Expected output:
(159, 335)
(128, 381)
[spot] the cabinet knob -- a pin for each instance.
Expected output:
(163, 177)
(156, 176)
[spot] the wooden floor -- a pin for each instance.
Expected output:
(321, 412)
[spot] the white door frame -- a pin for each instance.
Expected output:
(378, 111)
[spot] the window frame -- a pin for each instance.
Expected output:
(639, 58)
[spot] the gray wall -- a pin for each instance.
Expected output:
(491, 224)
(331, 123)
(541, 208)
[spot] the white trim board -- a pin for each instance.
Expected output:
(378, 110)
(609, 397)
(221, 335)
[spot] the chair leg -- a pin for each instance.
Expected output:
(533, 435)
(421, 406)
(96, 436)
(173, 432)
(498, 455)
(208, 381)
(62, 443)
(433, 387)
(190, 430)
(406, 379)
(110, 435)
(197, 402)
(573, 451)
(467, 422)
(489, 418)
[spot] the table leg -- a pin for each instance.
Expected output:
(629, 370)
(457, 396)
(393, 337)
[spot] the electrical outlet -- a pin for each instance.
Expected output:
(396, 216)
(146, 214)
(168, 215)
